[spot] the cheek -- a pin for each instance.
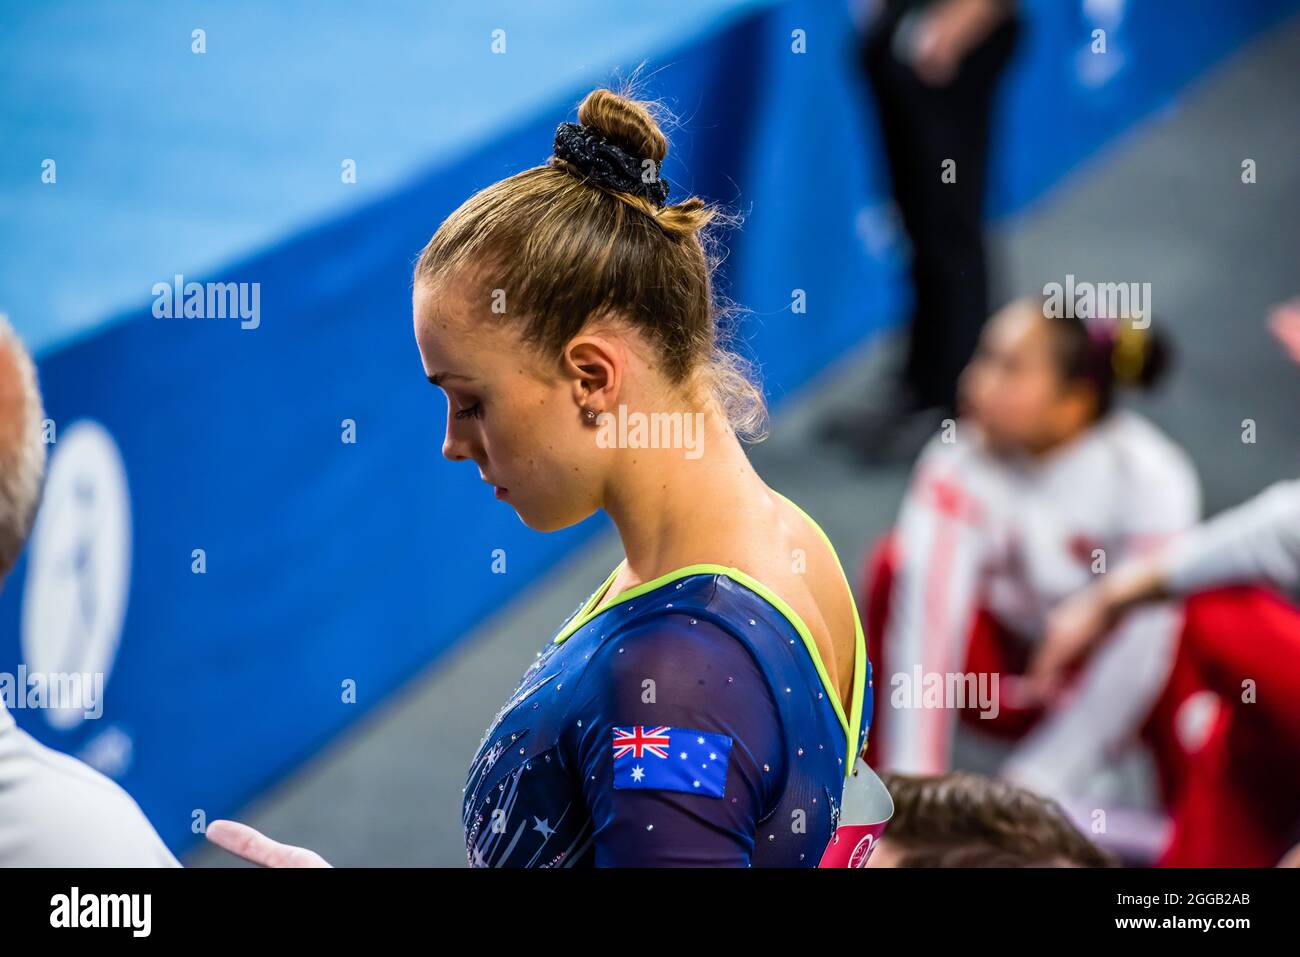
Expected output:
(528, 433)
(553, 468)
(974, 384)
(985, 389)
(1005, 406)
(1034, 406)
(1021, 407)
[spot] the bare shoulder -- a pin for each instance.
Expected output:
(791, 557)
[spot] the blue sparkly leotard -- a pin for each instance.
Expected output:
(690, 722)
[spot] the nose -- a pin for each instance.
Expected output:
(454, 450)
(455, 444)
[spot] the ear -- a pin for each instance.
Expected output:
(595, 366)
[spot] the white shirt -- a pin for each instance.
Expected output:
(1016, 537)
(1257, 541)
(56, 811)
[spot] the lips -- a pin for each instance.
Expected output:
(497, 490)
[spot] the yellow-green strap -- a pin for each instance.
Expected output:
(859, 647)
(852, 722)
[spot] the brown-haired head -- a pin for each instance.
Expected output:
(547, 259)
(969, 820)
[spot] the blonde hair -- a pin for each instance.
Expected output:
(567, 250)
(22, 448)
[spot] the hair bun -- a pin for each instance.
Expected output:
(1157, 357)
(614, 146)
(627, 123)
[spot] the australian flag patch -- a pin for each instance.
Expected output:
(671, 759)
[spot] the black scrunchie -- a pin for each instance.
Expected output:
(606, 164)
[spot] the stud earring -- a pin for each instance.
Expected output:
(589, 415)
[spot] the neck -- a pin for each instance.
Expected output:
(672, 510)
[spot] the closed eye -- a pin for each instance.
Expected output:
(475, 411)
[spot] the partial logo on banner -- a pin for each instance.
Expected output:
(79, 564)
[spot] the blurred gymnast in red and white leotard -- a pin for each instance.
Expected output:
(1236, 799)
(1037, 489)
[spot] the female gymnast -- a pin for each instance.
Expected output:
(1044, 492)
(707, 703)
(1238, 667)
(1036, 491)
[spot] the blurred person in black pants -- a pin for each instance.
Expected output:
(933, 66)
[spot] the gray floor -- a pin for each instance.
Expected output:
(1165, 204)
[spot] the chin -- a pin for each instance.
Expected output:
(550, 521)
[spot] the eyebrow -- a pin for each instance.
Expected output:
(438, 378)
